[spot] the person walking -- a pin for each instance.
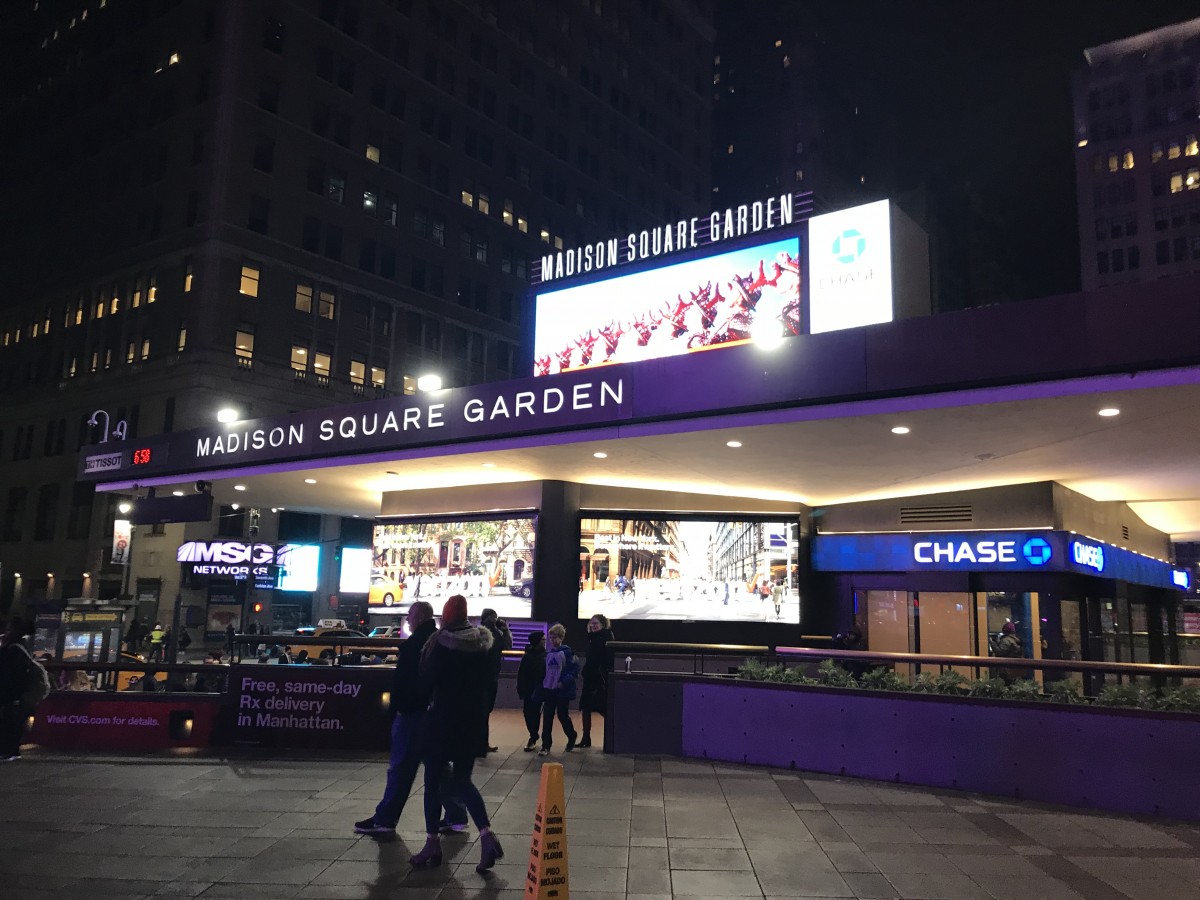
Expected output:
(454, 669)
(409, 702)
(501, 641)
(16, 667)
(777, 596)
(156, 643)
(133, 637)
(529, 687)
(185, 641)
(1010, 646)
(594, 695)
(558, 690)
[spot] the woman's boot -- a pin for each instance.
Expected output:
(431, 853)
(490, 851)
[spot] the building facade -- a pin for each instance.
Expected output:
(283, 205)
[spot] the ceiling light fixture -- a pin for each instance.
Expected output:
(734, 444)
(901, 429)
(488, 465)
(600, 454)
(176, 493)
(1109, 411)
(239, 487)
(227, 415)
(429, 382)
(310, 481)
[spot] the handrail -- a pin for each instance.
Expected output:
(645, 646)
(982, 662)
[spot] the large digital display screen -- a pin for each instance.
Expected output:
(689, 569)
(850, 268)
(488, 561)
(717, 301)
(299, 567)
(355, 576)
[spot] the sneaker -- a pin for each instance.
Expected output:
(570, 744)
(531, 745)
(370, 826)
(545, 751)
(445, 827)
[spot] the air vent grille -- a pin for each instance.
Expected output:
(1125, 532)
(915, 515)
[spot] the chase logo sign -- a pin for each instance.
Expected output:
(1036, 551)
(849, 246)
(1088, 555)
(965, 552)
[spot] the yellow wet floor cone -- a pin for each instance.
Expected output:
(547, 878)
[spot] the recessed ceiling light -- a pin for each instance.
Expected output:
(901, 429)
(600, 454)
(239, 487)
(310, 481)
(488, 465)
(1109, 411)
(235, 506)
(390, 472)
(176, 493)
(734, 444)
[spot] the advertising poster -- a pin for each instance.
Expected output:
(488, 561)
(689, 570)
(224, 609)
(122, 535)
(850, 268)
(717, 301)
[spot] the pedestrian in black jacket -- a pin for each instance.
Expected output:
(501, 641)
(14, 676)
(529, 686)
(409, 702)
(594, 695)
(454, 667)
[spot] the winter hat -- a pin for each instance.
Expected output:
(455, 611)
(487, 617)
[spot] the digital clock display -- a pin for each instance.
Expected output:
(142, 457)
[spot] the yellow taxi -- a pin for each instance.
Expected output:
(326, 628)
(385, 591)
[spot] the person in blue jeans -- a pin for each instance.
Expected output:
(409, 702)
(558, 690)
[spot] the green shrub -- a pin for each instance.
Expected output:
(1024, 689)
(1066, 692)
(1180, 699)
(829, 673)
(990, 687)
(924, 683)
(1130, 695)
(951, 682)
(882, 678)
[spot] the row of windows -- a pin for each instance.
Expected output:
(45, 525)
(1176, 250)
(1118, 260)
(109, 301)
(1176, 216)
(1114, 161)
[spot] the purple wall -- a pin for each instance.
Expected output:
(1127, 761)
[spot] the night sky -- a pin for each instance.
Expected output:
(980, 91)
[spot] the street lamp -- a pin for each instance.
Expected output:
(429, 382)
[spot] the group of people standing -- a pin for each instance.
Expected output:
(444, 689)
(158, 642)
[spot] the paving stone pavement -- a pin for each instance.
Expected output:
(267, 828)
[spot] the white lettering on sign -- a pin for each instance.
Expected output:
(1088, 555)
(236, 441)
(929, 552)
(1180, 579)
(225, 552)
(103, 463)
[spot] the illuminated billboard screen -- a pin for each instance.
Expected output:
(488, 561)
(717, 301)
(355, 576)
(850, 268)
(689, 569)
(299, 566)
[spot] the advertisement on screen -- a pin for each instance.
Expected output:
(689, 570)
(488, 561)
(702, 304)
(850, 268)
(355, 575)
(299, 566)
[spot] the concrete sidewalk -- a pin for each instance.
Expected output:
(638, 828)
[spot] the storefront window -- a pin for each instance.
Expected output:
(998, 609)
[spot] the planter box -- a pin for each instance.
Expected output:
(1121, 760)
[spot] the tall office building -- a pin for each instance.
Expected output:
(1137, 159)
(276, 205)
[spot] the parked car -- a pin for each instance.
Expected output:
(522, 588)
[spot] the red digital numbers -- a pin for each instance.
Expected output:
(141, 457)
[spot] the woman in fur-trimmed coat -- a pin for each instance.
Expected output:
(454, 668)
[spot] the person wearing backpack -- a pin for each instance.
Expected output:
(23, 684)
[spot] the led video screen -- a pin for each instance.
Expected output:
(717, 301)
(355, 576)
(299, 567)
(488, 561)
(689, 569)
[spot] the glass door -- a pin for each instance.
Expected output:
(885, 619)
(944, 625)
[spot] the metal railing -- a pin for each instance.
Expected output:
(643, 652)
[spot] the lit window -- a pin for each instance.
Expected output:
(507, 215)
(370, 202)
(799, 175)
(1113, 162)
(378, 377)
(95, 360)
(484, 203)
(137, 294)
(1173, 150)
(130, 352)
(181, 343)
(100, 310)
(1127, 159)
(1156, 151)
(244, 345)
(545, 235)
(358, 372)
(1193, 179)
(468, 198)
(410, 385)
(114, 304)
(729, 149)
(522, 225)
(173, 60)
(325, 304)
(108, 359)
(145, 348)
(1176, 182)
(321, 363)
(152, 290)
(778, 44)
(187, 278)
(372, 153)
(299, 358)
(1190, 146)
(79, 313)
(304, 294)
(249, 282)
(36, 329)
(73, 368)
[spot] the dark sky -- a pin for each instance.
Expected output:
(981, 91)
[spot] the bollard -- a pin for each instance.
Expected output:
(547, 877)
